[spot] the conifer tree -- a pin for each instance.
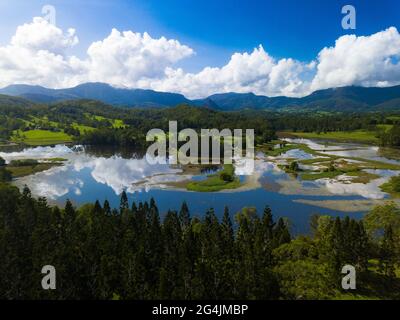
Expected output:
(124, 205)
(184, 215)
(227, 234)
(107, 208)
(387, 253)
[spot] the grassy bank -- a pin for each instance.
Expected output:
(358, 176)
(18, 172)
(26, 167)
(392, 187)
(222, 180)
(275, 148)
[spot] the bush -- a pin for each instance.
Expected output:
(226, 176)
(294, 166)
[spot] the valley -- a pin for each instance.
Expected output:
(312, 170)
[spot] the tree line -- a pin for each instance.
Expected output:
(131, 253)
(138, 121)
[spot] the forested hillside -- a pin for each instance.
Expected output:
(93, 122)
(351, 98)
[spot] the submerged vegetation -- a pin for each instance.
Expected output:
(326, 164)
(25, 167)
(26, 170)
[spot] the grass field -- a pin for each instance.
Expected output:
(351, 136)
(41, 137)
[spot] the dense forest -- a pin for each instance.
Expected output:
(71, 116)
(136, 122)
(384, 125)
(133, 253)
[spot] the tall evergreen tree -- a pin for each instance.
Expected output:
(184, 215)
(107, 208)
(124, 204)
(387, 253)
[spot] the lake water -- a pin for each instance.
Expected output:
(87, 176)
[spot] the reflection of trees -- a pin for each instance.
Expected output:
(109, 151)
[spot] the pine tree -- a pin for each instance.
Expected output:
(107, 208)
(362, 246)
(97, 208)
(172, 239)
(268, 223)
(227, 234)
(69, 215)
(387, 253)
(281, 233)
(154, 249)
(124, 205)
(184, 215)
(134, 208)
(336, 247)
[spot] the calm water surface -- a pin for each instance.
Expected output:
(90, 175)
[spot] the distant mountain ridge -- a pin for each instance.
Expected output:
(335, 99)
(97, 91)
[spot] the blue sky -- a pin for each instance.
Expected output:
(214, 29)
(213, 46)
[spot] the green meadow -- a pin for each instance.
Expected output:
(40, 137)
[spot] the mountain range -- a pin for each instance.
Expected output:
(350, 98)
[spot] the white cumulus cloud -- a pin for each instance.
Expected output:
(124, 58)
(365, 60)
(256, 72)
(38, 54)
